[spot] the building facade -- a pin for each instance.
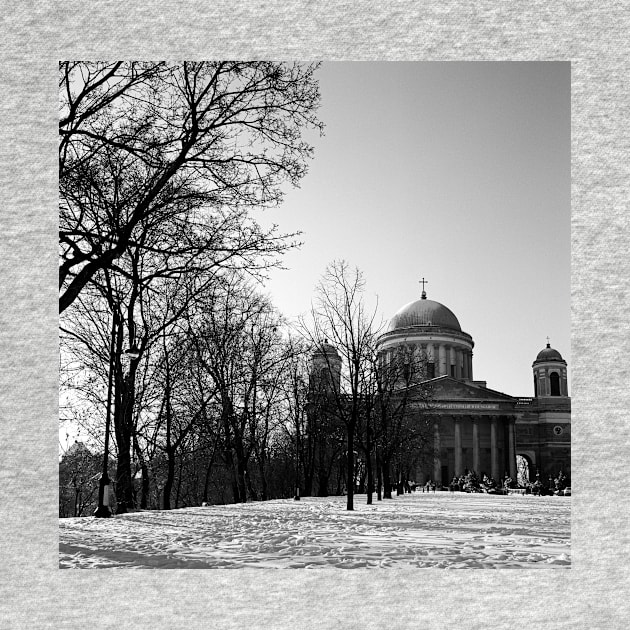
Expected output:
(476, 428)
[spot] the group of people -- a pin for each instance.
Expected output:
(557, 485)
(470, 482)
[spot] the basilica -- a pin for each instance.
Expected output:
(470, 427)
(475, 427)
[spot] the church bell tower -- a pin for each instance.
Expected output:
(550, 374)
(325, 375)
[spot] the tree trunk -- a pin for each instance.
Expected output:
(124, 485)
(226, 418)
(179, 482)
(242, 487)
(387, 481)
(308, 452)
(170, 479)
(251, 491)
(145, 489)
(308, 485)
(350, 469)
(123, 427)
(170, 451)
(308, 479)
(322, 484)
(234, 479)
(206, 483)
(144, 497)
(368, 464)
(263, 480)
(379, 477)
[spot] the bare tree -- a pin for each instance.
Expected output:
(159, 164)
(79, 472)
(401, 412)
(340, 315)
(237, 334)
(146, 142)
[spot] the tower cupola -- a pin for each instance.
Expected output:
(325, 372)
(550, 373)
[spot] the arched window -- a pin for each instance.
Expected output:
(554, 381)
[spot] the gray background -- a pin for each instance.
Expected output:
(35, 594)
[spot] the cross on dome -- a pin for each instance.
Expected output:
(423, 282)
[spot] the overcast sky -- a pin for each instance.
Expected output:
(458, 172)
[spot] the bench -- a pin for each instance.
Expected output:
(516, 490)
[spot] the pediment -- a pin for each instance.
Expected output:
(447, 388)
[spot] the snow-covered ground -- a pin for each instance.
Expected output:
(444, 530)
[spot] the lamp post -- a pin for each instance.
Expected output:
(126, 499)
(103, 511)
(297, 474)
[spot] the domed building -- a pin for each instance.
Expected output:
(475, 427)
(430, 330)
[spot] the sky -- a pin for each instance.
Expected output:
(456, 172)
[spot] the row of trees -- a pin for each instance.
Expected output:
(161, 166)
(228, 404)
(380, 404)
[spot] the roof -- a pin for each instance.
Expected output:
(326, 348)
(424, 312)
(549, 354)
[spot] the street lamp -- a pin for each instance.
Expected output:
(103, 511)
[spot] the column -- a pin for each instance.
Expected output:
(475, 443)
(459, 469)
(511, 449)
(470, 370)
(442, 370)
(494, 451)
(465, 364)
(566, 382)
(437, 460)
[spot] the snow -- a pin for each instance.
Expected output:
(441, 530)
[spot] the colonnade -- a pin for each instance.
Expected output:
(443, 356)
(498, 425)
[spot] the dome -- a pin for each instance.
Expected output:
(549, 354)
(424, 312)
(327, 348)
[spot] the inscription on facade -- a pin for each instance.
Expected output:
(464, 405)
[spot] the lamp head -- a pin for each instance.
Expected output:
(133, 353)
